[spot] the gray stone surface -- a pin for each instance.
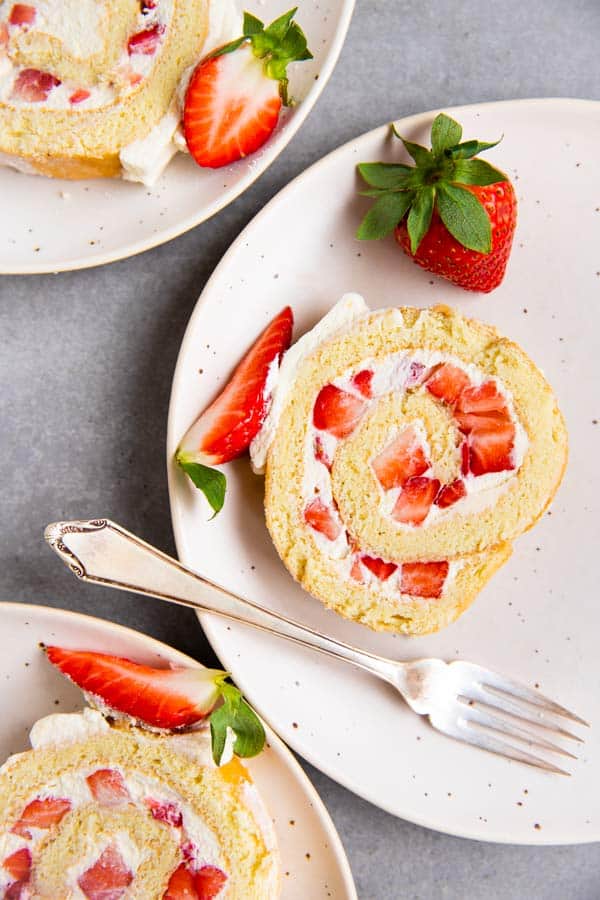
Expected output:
(87, 359)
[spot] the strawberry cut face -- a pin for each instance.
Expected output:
(447, 382)
(22, 15)
(147, 41)
(400, 460)
(108, 878)
(322, 519)
(337, 411)
(381, 569)
(18, 864)
(33, 86)
(424, 579)
(108, 787)
(41, 813)
(415, 500)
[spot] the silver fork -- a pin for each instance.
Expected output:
(463, 700)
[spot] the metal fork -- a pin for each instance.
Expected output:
(463, 700)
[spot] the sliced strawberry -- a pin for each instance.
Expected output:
(483, 415)
(18, 864)
(322, 519)
(209, 881)
(235, 95)
(33, 86)
(491, 450)
(337, 411)
(356, 571)
(22, 14)
(181, 885)
(400, 460)
(415, 500)
(165, 812)
(226, 428)
(41, 814)
(321, 453)
(447, 382)
(424, 579)
(79, 96)
(451, 493)
(162, 698)
(362, 382)
(108, 878)
(108, 787)
(378, 567)
(146, 41)
(3, 34)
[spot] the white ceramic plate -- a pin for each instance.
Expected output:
(313, 859)
(539, 618)
(48, 225)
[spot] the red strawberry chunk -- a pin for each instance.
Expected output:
(362, 382)
(400, 460)
(147, 5)
(424, 579)
(33, 86)
(3, 34)
(41, 814)
(415, 500)
(79, 96)
(447, 382)
(22, 14)
(108, 878)
(209, 881)
(451, 493)
(165, 812)
(145, 41)
(181, 885)
(321, 453)
(483, 415)
(18, 864)
(491, 450)
(108, 788)
(481, 407)
(337, 411)
(18, 890)
(356, 572)
(378, 567)
(321, 518)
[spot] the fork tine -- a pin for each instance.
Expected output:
(498, 700)
(482, 718)
(494, 682)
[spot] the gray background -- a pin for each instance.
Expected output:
(87, 360)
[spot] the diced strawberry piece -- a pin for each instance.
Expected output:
(18, 890)
(147, 5)
(108, 878)
(79, 96)
(416, 374)
(481, 407)
(163, 698)
(356, 572)
(337, 411)
(451, 493)
(108, 787)
(145, 41)
(362, 382)
(33, 86)
(491, 450)
(424, 579)
(22, 14)
(447, 382)
(181, 885)
(41, 814)
(321, 453)
(482, 413)
(3, 34)
(400, 460)
(321, 518)
(134, 78)
(18, 864)
(209, 881)
(415, 500)
(165, 812)
(226, 428)
(378, 567)
(464, 457)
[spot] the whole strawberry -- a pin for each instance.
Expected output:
(235, 94)
(452, 212)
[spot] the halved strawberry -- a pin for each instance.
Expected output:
(447, 382)
(400, 460)
(235, 95)
(451, 493)
(378, 567)
(415, 500)
(337, 411)
(22, 15)
(18, 864)
(145, 41)
(362, 382)
(108, 787)
(41, 813)
(321, 453)
(108, 878)
(33, 86)
(424, 579)
(79, 96)
(165, 812)
(209, 881)
(162, 698)
(181, 885)
(322, 519)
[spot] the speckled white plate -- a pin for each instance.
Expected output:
(539, 617)
(48, 225)
(313, 860)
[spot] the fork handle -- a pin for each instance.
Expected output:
(102, 552)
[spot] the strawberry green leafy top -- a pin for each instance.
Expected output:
(436, 180)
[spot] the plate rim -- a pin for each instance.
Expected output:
(273, 738)
(310, 754)
(273, 151)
